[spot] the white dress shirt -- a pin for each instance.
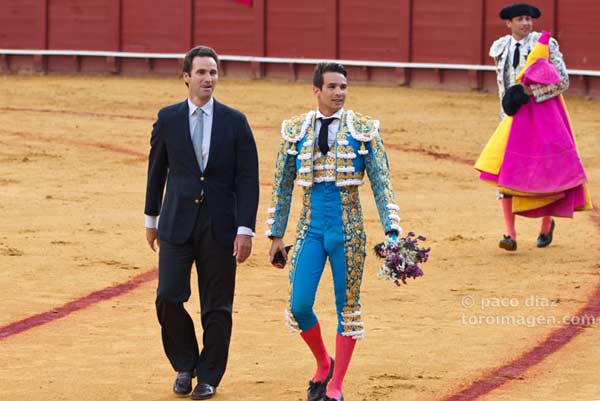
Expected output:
(333, 127)
(207, 115)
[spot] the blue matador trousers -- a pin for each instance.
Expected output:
(330, 226)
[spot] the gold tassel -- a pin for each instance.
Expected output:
(363, 149)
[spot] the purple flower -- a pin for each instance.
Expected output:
(403, 258)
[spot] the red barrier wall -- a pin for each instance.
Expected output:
(435, 31)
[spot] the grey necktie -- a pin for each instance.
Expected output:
(197, 137)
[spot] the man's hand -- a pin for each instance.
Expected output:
(277, 245)
(527, 90)
(242, 246)
(152, 237)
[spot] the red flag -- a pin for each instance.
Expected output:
(246, 2)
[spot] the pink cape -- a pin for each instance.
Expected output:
(541, 156)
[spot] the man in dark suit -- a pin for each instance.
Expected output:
(205, 153)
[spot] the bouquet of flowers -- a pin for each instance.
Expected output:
(402, 258)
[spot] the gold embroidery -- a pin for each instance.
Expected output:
(355, 250)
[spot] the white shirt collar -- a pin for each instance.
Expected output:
(337, 114)
(207, 108)
(513, 41)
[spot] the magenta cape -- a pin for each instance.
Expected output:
(541, 159)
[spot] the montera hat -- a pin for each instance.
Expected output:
(513, 99)
(518, 9)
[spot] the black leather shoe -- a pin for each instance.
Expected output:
(316, 390)
(333, 399)
(508, 243)
(203, 391)
(544, 240)
(183, 383)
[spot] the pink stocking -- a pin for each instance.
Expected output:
(546, 224)
(344, 346)
(509, 217)
(312, 337)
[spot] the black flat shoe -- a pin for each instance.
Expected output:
(316, 390)
(508, 243)
(543, 240)
(203, 391)
(333, 399)
(183, 383)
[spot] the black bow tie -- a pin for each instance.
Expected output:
(324, 135)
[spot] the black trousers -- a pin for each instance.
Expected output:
(215, 267)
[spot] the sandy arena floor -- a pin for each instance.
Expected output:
(72, 184)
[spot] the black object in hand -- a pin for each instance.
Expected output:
(513, 99)
(279, 260)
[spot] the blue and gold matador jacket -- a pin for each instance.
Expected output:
(358, 148)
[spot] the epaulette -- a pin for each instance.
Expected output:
(499, 45)
(294, 129)
(362, 128)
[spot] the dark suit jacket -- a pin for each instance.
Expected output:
(229, 181)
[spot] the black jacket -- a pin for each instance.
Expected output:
(229, 181)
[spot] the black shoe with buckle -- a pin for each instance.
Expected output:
(183, 383)
(203, 391)
(543, 240)
(508, 243)
(316, 390)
